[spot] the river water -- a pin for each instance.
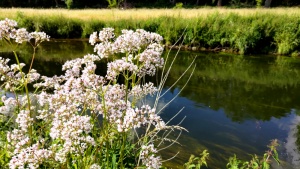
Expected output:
(232, 104)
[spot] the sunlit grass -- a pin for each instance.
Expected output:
(243, 31)
(116, 14)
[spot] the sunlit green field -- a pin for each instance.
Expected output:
(116, 14)
(243, 31)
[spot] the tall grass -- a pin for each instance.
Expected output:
(237, 30)
(138, 14)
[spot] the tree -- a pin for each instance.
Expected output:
(268, 3)
(56, 3)
(219, 2)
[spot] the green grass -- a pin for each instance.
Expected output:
(243, 31)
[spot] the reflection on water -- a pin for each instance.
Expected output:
(233, 104)
(213, 130)
(291, 140)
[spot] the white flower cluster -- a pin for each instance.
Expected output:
(140, 91)
(72, 134)
(79, 96)
(24, 120)
(120, 66)
(30, 157)
(71, 129)
(39, 37)
(21, 35)
(143, 51)
(8, 31)
(105, 35)
(13, 76)
(148, 157)
(7, 28)
(76, 89)
(18, 137)
(95, 166)
(120, 113)
(9, 106)
(135, 118)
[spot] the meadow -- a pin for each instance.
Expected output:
(140, 14)
(243, 31)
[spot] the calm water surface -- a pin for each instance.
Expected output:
(232, 104)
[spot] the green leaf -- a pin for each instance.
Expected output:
(114, 161)
(275, 157)
(191, 166)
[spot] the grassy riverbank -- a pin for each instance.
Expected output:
(236, 30)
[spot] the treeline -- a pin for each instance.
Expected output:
(79, 4)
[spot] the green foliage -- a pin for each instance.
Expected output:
(282, 63)
(196, 162)
(114, 3)
(257, 33)
(89, 27)
(255, 162)
(287, 37)
(5, 156)
(235, 3)
(69, 3)
(235, 163)
(56, 25)
(143, 4)
(258, 3)
(178, 5)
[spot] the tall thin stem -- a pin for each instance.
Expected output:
(24, 80)
(32, 59)
(26, 88)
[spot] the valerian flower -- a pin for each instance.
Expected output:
(39, 37)
(148, 157)
(8, 31)
(95, 166)
(80, 100)
(31, 157)
(21, 35)
(7, 28)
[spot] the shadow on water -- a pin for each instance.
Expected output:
(233, 104)
(237, 104)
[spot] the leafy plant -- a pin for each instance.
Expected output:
(255, 162)
(258, 3)
(197, 162)
(178, 5)
(114, 3)
(69, 3)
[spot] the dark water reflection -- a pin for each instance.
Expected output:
(233, 104)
